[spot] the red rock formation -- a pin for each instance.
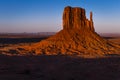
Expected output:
(78, 37)
(76, 18)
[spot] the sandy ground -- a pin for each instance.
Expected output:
(58, 68)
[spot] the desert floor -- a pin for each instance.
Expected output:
(56, 67)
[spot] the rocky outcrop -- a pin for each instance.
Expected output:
(76, 18)
(78, 37)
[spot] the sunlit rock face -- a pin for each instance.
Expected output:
(75, 18)
(77, 37)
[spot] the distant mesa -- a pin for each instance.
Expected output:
(78, 37)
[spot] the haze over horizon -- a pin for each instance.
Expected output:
(46, 15)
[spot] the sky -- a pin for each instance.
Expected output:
(18, 16)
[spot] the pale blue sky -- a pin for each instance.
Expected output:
(46, 15)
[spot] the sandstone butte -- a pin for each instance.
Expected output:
(78, 37)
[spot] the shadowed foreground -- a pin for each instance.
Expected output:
(58, 68)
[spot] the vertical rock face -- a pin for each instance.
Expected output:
(91, 22)
(91, 16)
(75, 18)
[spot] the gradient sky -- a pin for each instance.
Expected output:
(46, 15)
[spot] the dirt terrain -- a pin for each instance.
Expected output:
(115, 40)
(58, 68)
(11, 42)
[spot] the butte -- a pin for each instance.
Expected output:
(78, 37)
